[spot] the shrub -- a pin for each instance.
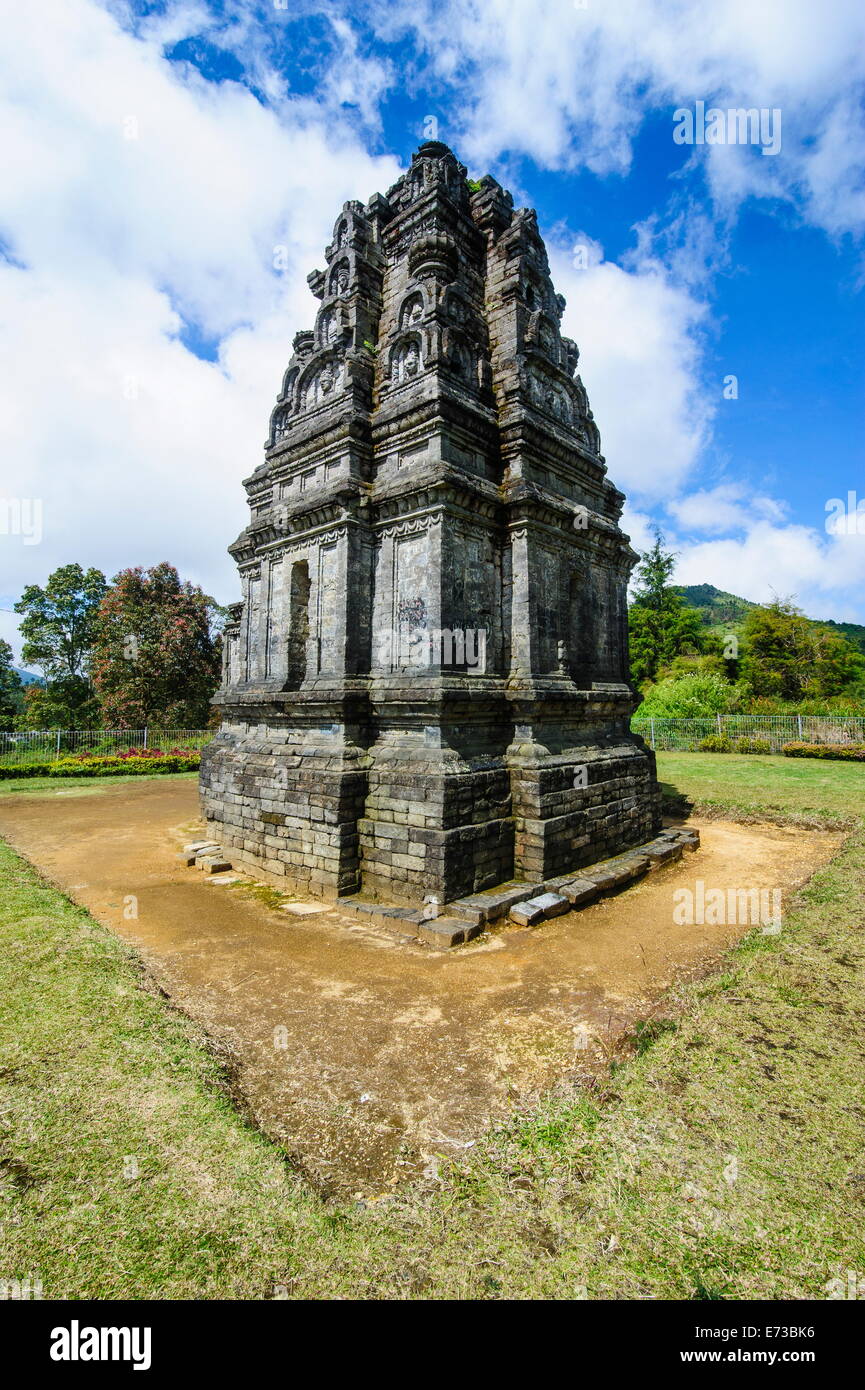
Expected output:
(753, 745)
(689, 696)
(715, 743)
(844, 752)
(108, 766)
(98, 765)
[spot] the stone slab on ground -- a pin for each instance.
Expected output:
(213, 864)
(464, 919)
(578, 891)
(495, 902)
(305, 909)
(401, 919)
(686, 835)
(663, 852)
(533, 910)
(444, 932)
(616, 873)
(468, 912)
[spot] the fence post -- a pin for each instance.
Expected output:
(57, 747)
(799, 721)
(145, 736)
(720, 730)
(652, 722)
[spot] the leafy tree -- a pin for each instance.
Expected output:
(66, 703)
(790, 658)
(662, 627)
(59, 621)
(156, 656)
(708, 663)
(58, 629)
(11, 688)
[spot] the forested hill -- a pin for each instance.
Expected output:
(724, 611)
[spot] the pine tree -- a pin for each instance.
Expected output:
(662, 626)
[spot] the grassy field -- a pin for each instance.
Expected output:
(64, 786)
(723, 1160)
(757, 784)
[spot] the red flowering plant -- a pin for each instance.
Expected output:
(156, 657)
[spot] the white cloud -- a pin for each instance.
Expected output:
(820, 572)
(823, 572)
(727, 507)
(141, 201)
(571, 86)
(137, 447)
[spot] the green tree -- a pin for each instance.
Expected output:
(790, 658)
(157, 653)
(58, 628)
(59, 621)
(11, 688)
(66, 703)
(662, 626)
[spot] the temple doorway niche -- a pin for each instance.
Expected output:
(298, 623)
(582, 620)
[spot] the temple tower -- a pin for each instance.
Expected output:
(425, 688)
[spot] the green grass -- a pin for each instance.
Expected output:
(80, 786)
(723, 1160)
(95, 1069)
(754, 783)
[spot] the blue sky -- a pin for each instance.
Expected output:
(161, 159)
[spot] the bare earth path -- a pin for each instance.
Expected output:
(366, 1056)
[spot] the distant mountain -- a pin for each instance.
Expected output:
(27, 677)
(721, 610)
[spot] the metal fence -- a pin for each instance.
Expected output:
(682, 735)
(686, 735)
(45, 746)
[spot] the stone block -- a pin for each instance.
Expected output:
(662, 852)
(525, 914)
(213, 864)
(578, 891)
(496, 903)
(444, 932)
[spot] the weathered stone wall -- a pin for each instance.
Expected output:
(288, 807)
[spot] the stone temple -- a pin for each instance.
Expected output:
(425, 689)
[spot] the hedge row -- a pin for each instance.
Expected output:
(106, 766)
(720, 743)
(849, 752)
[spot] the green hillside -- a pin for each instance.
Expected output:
(719, 609)
(725, 612)
(854, 632)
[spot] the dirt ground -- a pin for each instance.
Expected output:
(363, 1055)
